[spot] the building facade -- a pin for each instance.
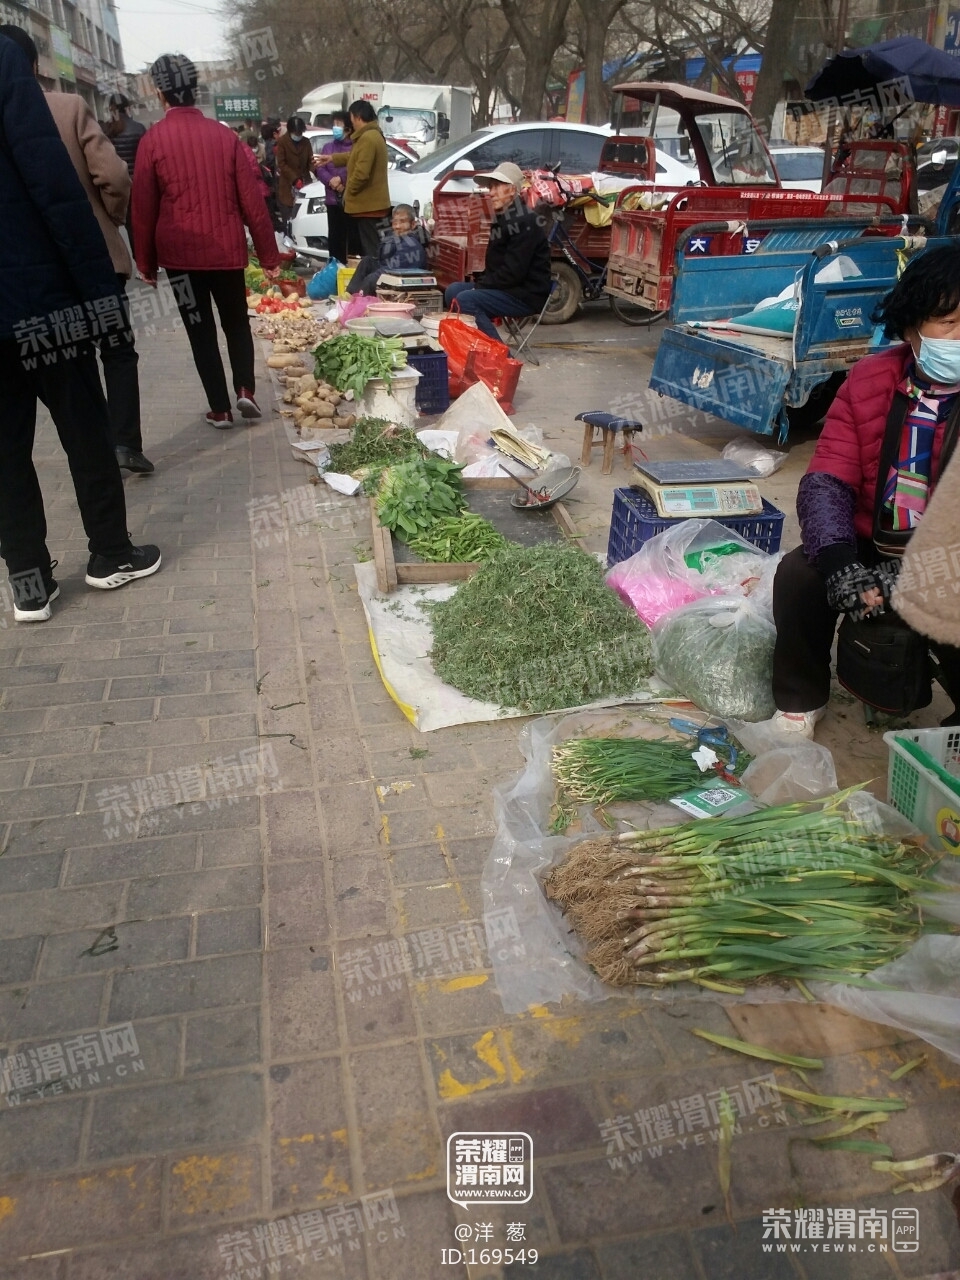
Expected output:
(78, 44)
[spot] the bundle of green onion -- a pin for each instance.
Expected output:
(803, 891)
(608, 770)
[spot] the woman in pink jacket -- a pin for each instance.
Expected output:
(886, 441)
(193, 191)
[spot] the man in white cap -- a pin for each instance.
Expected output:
(515, 280)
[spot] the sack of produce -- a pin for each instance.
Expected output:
(718, 653)
(691, 560)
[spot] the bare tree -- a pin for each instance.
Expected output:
(596, 18)
(539, 33)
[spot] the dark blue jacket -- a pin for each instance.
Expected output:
(52, 251)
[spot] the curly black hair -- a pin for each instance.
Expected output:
(929, 288)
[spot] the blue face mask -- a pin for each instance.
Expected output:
(939, 360)
(337, 131)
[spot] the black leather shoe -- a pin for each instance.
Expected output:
(130, 460)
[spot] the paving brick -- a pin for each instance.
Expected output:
(41, 802)
(376, 1009)
(457, 1003)
(298, 911)
(310, 1154)
(138, 709)
(398, 1135)
(142, 942)
(229, 728)
(209, 704)
(16, 722)
(14, 676)
(19, 875)
(224, 1109)
(157, 686)
(195, 891)
(351, 817)
(552, 1049)
(219, 932)
(219, 660)
(22, 746)
(50, 1009)
(18, 959)
(35, 1269)
(62, 910)
(46, 835)
(213, 1188)
(54, 695)
(300, 989)
(428, 905)
(215, 1040)
(90, 767)
(558, 1120)
(361, 897)
(293, 826)
(726, 1254)
(110, 668)
(208, 815)
(186, 987)
(39, 1137)
(231, 848)
(126, 860)
(412, 1247)
(578, 1265)
(668, 1256)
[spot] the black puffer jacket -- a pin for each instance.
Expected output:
(518, 256)
(52, 251)
(125, 134)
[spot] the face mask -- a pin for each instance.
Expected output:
(337, 131)
(297, 137)
(939, 359)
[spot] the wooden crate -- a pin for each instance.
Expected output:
(391, 574)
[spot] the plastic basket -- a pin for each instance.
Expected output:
(433, 389)
(917, 792)
(635, 520)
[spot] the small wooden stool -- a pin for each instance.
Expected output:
(608, 425)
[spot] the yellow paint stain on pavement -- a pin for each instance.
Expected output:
(339, 1135)
(513, 1066)
(303, 1137)
(8, 1206)
(334, 1183)
(384, 836)
(488, 1052)
(448, 859)
(212, 1183)
(464, 983)
(93, 1180)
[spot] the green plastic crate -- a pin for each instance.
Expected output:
(929, 803)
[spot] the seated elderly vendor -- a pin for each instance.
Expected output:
(887, 438)
(515, 280)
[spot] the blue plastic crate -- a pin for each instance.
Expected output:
(635, 520)
(433, 388)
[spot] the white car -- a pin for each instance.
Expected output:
(309, 224)
(800, 168)
(540, 145)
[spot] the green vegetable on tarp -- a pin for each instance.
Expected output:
(536, 628)
(349, 362)
(413, 495)
(465, 539)
(609, 770)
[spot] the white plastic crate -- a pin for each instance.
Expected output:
(917, 792)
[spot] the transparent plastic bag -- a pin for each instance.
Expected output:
(746, 453)
(718, 653)
(685, 563)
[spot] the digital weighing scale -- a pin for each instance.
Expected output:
(699, 488)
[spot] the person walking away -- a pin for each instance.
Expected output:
(270, 133)
(403, 249)
(57, 289)
(366, 197)
(125, 134)
(106, 180)
(192, 193)
(515, 280)
(294, 157)
(342, 238)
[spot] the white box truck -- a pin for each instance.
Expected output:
(425, 116)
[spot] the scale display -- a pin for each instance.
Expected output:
(700, 488)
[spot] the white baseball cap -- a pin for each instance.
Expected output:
(506, 172)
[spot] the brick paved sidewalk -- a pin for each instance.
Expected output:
(203, 896)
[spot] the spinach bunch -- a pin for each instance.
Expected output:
(351, 361)
(415, 494)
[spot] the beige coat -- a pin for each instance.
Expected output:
(927, 594)
(103, 174)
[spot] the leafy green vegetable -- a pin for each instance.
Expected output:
(463, 539)
(351, 361)
(414, 494)
(537, 628)
(607, 770)
(375, 444)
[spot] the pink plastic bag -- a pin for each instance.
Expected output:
(354, 307)
(652, 595)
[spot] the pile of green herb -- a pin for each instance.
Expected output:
(351, 361)
(464, 539)
(375, 444)
(413, 495)
(536, 628)
(719, 654)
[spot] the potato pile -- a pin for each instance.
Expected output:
(315, 405)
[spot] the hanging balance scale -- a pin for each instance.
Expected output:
(681, 490)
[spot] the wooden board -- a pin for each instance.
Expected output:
(392, 571)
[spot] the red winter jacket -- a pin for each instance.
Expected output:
(193, 190)
(852, 436)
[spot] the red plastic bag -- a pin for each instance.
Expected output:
(473, 357)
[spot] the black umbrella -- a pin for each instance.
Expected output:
(912, 69)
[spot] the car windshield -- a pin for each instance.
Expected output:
(799, 166)
(438, 158)
(408, 122)
(737, 155)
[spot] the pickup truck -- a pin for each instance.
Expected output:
(764, 377)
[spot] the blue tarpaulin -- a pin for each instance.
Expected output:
(925, 74)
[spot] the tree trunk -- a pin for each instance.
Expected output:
(776, 58)
(597, 17)
(539, 38)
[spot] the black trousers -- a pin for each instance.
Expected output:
(199, 291)
(806, 626)
(368, 233)
(118, 354)
(364, 279)
(343, 240)
(70, 388)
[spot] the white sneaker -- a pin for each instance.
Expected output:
(797, 723)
